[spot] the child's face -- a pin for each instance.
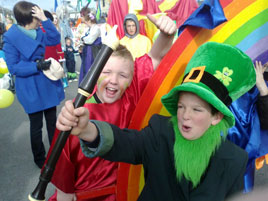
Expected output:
(114, 79)
(68, 42)
(131, 27)
(194, 116)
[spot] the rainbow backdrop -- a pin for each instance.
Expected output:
(246, 28)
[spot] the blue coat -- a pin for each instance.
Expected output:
(34, 90)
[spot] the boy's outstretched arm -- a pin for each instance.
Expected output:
(164, 41)
(77, 120)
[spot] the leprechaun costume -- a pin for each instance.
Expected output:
(210, 168)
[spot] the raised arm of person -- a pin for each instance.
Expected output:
(262, 102)
(165, 39)
(52, 35)
(260, 82)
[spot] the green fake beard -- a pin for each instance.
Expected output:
(192, 156)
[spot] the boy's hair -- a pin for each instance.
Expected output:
(68, 38)
(23, 12)
(122, 51)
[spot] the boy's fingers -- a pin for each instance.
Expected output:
(69, 105)
(152, 19)
(164, 24)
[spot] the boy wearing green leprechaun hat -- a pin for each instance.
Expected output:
(185, 156)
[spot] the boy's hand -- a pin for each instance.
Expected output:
(164, 24)
(71, 118)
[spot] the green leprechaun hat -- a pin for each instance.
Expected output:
(217, 73)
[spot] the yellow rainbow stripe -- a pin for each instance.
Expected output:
(240, 19)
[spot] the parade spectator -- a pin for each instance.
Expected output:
(24, 47)
(53, 51)
(59, 53)
(80, 31)
(185, 156)
(118, 90)
(73, 27)
(56, 22)
(10, 22)
(133, 38)
(63, 17)
(262, 102)
(71, 23)
(91, 41)
(2, 31)
(70, 60)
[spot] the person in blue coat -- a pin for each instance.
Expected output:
(24, 47)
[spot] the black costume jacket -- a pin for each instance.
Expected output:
(153, 147)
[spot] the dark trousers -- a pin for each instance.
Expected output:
(70, 65)
(36, 125)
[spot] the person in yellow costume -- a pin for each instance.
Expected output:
(135, 42)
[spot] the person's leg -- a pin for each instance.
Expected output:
(38, 149)
(72, 66)
(51, 118)
(69, 70)
(74, 76)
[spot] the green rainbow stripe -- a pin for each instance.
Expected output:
(259, 20)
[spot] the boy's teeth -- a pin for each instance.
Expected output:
(111, 89)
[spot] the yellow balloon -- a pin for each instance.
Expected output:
(3, 66)
(6, 98)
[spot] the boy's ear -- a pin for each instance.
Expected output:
(217, 118)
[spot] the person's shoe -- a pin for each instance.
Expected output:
(69, 75)
(75, 79)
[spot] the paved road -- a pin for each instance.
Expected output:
(18, 173)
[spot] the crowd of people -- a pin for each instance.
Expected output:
(194, 154)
